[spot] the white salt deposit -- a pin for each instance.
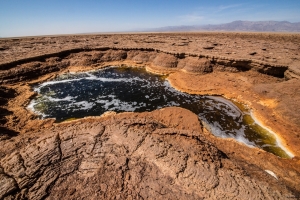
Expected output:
(278, 141)
(31, 106)
(84, 105)
(271, 173)
(67, 98)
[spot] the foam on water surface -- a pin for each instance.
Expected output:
(76, 95)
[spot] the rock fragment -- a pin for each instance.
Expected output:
(7, 184)
(197, 65)
(208, 47)
(165, 60)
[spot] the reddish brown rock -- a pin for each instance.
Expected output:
(162, 154)
(165, 60)
(197, 65)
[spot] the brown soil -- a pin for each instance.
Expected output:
(164, 154)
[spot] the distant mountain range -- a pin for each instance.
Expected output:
(247, 26)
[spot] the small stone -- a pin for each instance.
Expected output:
(138, 62)
(183, 44)
(72, 191)
(3, 48)
(7, 185)
(208, 47)
(103, 187)
(252, 53)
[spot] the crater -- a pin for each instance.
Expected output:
(161, 153)
(125, 89)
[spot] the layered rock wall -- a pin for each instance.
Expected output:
(30, 68)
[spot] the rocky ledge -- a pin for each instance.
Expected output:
(160, 155)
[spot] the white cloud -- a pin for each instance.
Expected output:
(191, 18)
(214, 14)
(221, 8)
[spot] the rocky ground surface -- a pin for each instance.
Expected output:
(164, 154)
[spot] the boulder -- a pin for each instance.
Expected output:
(165, 60)
(197, 65)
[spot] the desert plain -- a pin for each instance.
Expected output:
(164, 154)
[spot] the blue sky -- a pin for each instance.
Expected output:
(44, 17)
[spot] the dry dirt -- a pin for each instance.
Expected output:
(164, 154)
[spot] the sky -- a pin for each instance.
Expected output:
(48, 17)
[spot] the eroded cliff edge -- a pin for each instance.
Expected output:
(263, 85)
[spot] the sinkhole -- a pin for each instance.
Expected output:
(76, 95)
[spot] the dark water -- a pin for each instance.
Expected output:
(132, 89)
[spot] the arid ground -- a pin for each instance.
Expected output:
(163, 154)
